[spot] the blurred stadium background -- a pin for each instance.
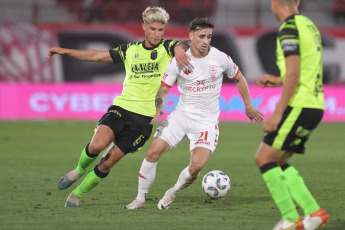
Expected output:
(246, 30)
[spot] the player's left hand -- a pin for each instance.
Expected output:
(182, 58)
(272, 122)
(254, 113)
(159, 113)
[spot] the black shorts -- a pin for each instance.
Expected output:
(294, 129)
(131, 130)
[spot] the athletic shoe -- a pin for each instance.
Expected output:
(165, 202)
(285, 225)
(316, 219)
(135, 204)
(68, 179)
(72, 200)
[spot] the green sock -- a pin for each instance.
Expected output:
(299, 191)
(91, 180)
(278, 188)
(84, 161)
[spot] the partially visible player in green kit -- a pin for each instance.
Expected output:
(297, 114)
(126, 125)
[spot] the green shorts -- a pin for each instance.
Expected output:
(294, 129)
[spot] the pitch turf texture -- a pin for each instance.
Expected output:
(35, 154)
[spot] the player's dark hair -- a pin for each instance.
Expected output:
(201, 23)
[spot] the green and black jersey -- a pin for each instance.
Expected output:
(299, 36)
(144, 70)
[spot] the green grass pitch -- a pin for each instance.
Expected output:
(35, 154)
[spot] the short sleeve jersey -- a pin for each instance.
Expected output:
(200, 88)
(299, 36)
(144, 71)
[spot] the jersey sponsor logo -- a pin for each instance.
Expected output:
(145, 67)
(116, 112)
(213, 71)
(200, 82)
(200, 88)
(143, 76)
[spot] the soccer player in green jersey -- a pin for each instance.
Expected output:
(126, 125)
(298, 112)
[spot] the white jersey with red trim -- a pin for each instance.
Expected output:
(200, 88)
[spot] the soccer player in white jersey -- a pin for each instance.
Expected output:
(196, 115)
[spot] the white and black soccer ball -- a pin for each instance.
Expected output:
(216, 184)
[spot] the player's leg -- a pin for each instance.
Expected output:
(267, 160)
(199, 157)
(315, 216)
(203, 141)
(147, 172)
(101, 139)
(96, 176)
(167, 136)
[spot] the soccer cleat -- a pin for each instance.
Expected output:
(168, 198)
(285, 225)
(68, 179)
(135, 204)
(72, 200)
(316, 219)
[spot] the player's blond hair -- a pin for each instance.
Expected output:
(155, 14)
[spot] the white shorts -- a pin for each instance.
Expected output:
(176, 127)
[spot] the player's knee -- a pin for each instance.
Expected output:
(257, 160)
(195, 168)
(95, 148)
(153, 155)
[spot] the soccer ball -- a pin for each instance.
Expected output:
(216, 184)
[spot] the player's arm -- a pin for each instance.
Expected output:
(180, 53)
(289, 41)
(289, 86)
(160, 102)
(269, 80)
(250, 110)
(83, 55)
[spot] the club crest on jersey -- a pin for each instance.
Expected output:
(213, 71)
(187, 72)
(154, 55)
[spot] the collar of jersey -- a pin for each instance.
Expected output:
(152, 48)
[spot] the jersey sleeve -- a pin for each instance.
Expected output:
(170, 74)
(169, 46)
(118, 54)
(288, 38)
(231, 69)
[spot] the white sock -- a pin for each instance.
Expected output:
(147, 175)
(183, 181)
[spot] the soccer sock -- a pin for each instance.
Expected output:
(299, 191)
(85, 160)
(184, 180)
(277, 185)
(92, 179)
(147, 175)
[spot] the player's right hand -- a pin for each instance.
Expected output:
(55, 50)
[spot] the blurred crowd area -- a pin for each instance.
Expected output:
(245, 29)
(224, 12)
